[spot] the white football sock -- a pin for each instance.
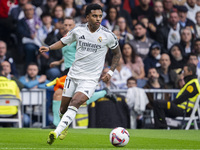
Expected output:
(66, 120)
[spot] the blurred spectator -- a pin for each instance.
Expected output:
(46, 8)
(197, 25)
(31, 80)
(27, 29)
(186, 41)
(197, 48)
(180, 81)
(136, 101)
(178, 2)
(198, 3)
(58, 15)
(6, 25)
(81, 18)
(7, 73)
(110, 20)
(120, 75)
(5, 57)
(168, 77)
(45, 28)
(184, 21)
(125, 32)
(134, 63)
(168, 7)
(169, 34)
(128, 5)
(131, 82)
(192, 9)
(177, 59)
(141, 43)
(17, 12)
(8, 87)
(157, 20)
(80, 3)
(38, 3)
(122, 12)
(143, 10)
(193, 59)
(153, 83)
(152, 60)
(69, 8)
(145, 21)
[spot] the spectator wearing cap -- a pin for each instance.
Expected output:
(152, 60)
(192, 9)
(184, 21)
(170, 33)
(141, 43)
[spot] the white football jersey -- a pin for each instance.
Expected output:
(91, 49)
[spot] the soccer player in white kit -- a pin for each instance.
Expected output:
(93, 42)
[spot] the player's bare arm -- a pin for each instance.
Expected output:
(55, 46)
(115, 61)
(56, 63)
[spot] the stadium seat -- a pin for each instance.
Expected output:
(10, 100)
(81, 120)
(195, 115)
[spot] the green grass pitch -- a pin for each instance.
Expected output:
(98, 139)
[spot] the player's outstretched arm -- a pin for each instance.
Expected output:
(55, 46)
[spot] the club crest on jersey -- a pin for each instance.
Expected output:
(99, 39)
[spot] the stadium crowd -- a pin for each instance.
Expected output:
(157, 38)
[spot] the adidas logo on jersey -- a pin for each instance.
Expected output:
(82, 37)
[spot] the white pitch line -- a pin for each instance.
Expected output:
(5, 148)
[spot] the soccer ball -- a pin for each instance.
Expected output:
(119, 137)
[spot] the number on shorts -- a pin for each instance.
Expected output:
(67, 83)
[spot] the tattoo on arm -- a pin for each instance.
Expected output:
(116, 57)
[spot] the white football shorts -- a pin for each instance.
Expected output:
(72, 86)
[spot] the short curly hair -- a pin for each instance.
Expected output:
(92, 7)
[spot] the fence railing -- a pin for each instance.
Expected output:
(34, 97)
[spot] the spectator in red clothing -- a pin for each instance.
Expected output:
(6, 25)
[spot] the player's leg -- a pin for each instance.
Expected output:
(77, 100)
(57, 96)
(63, 108)
(83, 92)
(68, 91)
